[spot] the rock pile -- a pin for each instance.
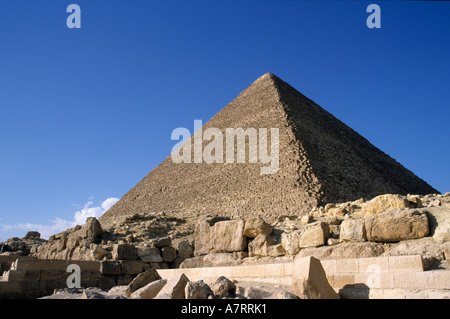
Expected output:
(388, 224)
(23, 246)
(179, 287)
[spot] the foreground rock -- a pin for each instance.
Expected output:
(149, 291)
(174, 288)
(310, 281)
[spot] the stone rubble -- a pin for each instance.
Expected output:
(129, 250)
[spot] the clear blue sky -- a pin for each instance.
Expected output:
(87, 113)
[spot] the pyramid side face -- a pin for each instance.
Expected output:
(346, 165)
(233, 190)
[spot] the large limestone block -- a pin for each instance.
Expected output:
(384, 203)
(223, 236)
(150, 290)
(255, 226)
(92, 228)
(174, 288)
(131, 267)
(184, 249)
(142, 280)
(313, 235)
(260, 246)
(352, 230)
(149, 254)
(309, 280)
(398, 225)
(124, 252)
(439, 218)
(310, 235)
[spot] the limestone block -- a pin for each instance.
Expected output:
(149, 254)
(223, 236)
(374, 264)
(124, 252)
(131, 267)
(353, 230)
(406, 263)
(313, 235)
(174, 288)
(310, 281)
(341, 280)
(142, 280)
(150, 290)
(414, 280)
(255, 226)
(185, 250)
(397, 225)
(347, 265)
(260, 245)
(384, 203)
(442, 279)
(275, 270)
(109, 267)
(162, 241)
(379, 280)
(169, 253)
(310, 235)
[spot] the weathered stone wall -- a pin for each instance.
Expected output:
(373, 278)
(32, 278)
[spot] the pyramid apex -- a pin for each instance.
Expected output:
(267, 75)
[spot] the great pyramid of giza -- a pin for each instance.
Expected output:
(321, 160)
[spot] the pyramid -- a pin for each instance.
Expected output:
(321, 160)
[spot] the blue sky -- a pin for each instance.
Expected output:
(86, 113)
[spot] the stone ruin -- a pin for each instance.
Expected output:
(403, 239)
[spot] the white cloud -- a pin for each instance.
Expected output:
(59, 225)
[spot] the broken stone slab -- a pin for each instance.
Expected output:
(150, 290)
(142, 280)
(309, 280)
(174, 288)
